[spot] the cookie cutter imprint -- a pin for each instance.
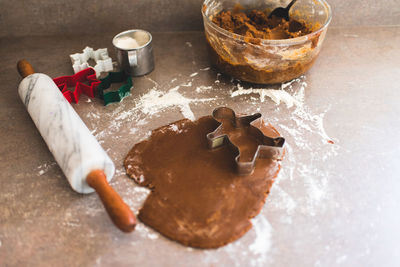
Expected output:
(100, 56)
(270, 147)
(84, 81)
(115, 96)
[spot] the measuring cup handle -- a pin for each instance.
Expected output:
(132, 58)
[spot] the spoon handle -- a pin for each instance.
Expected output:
(290, 5)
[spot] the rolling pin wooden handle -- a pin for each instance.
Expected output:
(119, 212)
(25, 68)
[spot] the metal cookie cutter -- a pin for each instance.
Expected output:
(115, 96)
(100, 56)
(84, 81)
(268, 148)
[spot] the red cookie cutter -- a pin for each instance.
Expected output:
(84, 81)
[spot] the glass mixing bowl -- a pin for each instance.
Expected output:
(266, 61)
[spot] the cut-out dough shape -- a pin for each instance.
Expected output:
(100, 56)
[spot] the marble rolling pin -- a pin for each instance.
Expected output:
(84, 163)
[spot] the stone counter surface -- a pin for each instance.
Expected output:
(332, 204)
(48, 17)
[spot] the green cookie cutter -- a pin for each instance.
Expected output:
(115, 96)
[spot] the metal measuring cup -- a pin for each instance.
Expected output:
(134, 52)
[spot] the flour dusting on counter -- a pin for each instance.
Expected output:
(262, 242)
(146, 232)
(202, 88)
(132, 115)
(45, 167)
(277, 96)
(156, 101)
(298, 125)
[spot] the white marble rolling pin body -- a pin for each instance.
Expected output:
(75, 149)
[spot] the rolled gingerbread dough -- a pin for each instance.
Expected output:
(196, 197)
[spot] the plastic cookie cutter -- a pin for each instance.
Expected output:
(84, 81)
(100, 56)
(115, 96)
(236, 131)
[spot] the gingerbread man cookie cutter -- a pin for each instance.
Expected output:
(269, 147)
(100, 56)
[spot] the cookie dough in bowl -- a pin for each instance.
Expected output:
(247, 45)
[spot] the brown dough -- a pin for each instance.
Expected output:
(196, 197)
(236, 58)
(256, 24)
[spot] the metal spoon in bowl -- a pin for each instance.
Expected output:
(282, 12)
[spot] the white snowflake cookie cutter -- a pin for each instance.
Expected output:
(100, 56)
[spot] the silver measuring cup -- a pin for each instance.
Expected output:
(134, 52)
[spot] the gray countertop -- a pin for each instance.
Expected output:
(332, 204)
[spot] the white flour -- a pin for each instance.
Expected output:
(45, 167)
(147, 106)
(262, 242)
(202, 89)
(146, 231)
(277, 96)
(127, 42)
(156, 101)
